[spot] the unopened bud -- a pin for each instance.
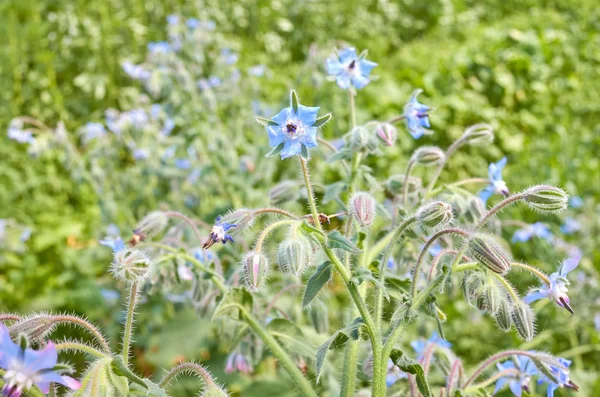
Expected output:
(524, 320)
(493, 296)
(152, 224)
(472, 286)
(363, 140)
(256, 266)
(241, 218)
(503, 315)
(429, 156)
(435, 215)
(131, 265)
(214, 391)
(485, 250)
(387, 133)
(362, 208)
(474, 210)
(479, 134)
(546, 198)
(294, 255)
(284, 192)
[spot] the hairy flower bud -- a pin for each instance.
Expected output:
(294, 255)
(485, 250)
(473, 286)
(436, 214)
(284, 192)
(214, 391)
(131, 265)
(478, 134)
(241, 218)
(493, 296)
(546, 198)
(256, 266)
(387, 133)
(363, 140)
(428, 156)
(362, 208)
(503, 315)
(152, 224)
(524, 320)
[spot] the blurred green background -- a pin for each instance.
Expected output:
(530, 68)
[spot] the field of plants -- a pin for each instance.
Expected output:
(300, 198)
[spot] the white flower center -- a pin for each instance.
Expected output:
(293, 128)
(219, 232)
(18, 377)
(500, 187)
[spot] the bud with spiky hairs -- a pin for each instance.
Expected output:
(387, 133)
(428, 156)
(294, 255)
(362, 208)
(131, 266)
(493, 296)
(478, 134)
(473, 286)
(436, 214)
(485, 250)
(256, 266)
(524, 320)
(151, 225)
(284, 192)
(363, 139)
(229, 225)
(474, 210)
(503, 315)
(546, 198)
(214, 391)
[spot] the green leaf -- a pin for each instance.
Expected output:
(265, 122)
(316, 282)
(362, 274)
(338, 339)
(321, 121)
(304, 152)
(544, 369)
(315, 234)
(231, 303)
(276, 150)
(343, 154)
(363, 54)
(333, 191)
(412, 367)
(294, 101)
(284, 326)
(336, 240)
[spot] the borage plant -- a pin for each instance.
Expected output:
(358, 246)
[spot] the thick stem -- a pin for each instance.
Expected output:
(350, 369)
(63, 318)
(455, 371)
(504, 203)
(285, 360)
(187, 367)
(309, 193)
(539, 274)
(128, 330)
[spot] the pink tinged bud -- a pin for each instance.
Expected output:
(387, 133)
(256, 266)
(362, 208)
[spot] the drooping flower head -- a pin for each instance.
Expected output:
(497, 184)
(293, 130)
(561, 376)
(236, 362)
(218, 233)
(350, 69)
(417, 116)
(557, 289)
(537, 229)
(423, 346)
(115, 243)
(518, 375)
(24, 367)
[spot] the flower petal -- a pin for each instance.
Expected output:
(486, 193)
(534, 296)
(309, 139)
(360, 81)
(343, 80)
(569, 264)
(366, 66)
(515, 387)
(291, 148)
(348, 55)
(334, 66)
(307, 115)
(276, 136)
(42, 359)
(282, 116)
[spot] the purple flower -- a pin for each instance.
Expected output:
(219, 233)
(416, 115)
(350, 69)
(518, 375)
(421, 346)
(570, 226)
(562, 378)
(557, 289)
(292, 129)
(192, 23)
(236, 362)
(497, 184)
(538, 229)
(183, 164)
(25, 367)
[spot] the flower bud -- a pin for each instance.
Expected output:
(241, 218)
(493, 296)
(214, 391)
(478, 134)
(131, 265)
(363, 140)
(284, 192)
(524, 320)
(474, 210)
(362, 208)
(503, 315)
(472, 286)
(546, 198)
(428, 156)
(489, 253)
(387, 133)
(152, 224)
(256, 266)
(435, 215)
(294, 255)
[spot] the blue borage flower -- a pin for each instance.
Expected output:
(561, 376)
(219, 233)
(570, 226)
(557, 290)
(422, 346)
(394, 374)
(115, 243)
(518, 375)
(24, 367)
(497, 184)
(293, 130)
(416, 115)
(537, 229)
(350, 68)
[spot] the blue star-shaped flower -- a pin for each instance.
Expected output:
(562, 378)
(497, 184)
(350, 69)
(219, 233)
(518, 375)
(557, 289)
(416, 116)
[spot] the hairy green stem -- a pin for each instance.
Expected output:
(128, 330)
(501, 374)
(187, 367)
(269, 229)
(492, 359)
(458, 143)
(81, 347)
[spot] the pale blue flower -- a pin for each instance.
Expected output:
(136, 72)
(597, 321)
(416, 115)
(93, 131)
(192, 23)
(294, 129)
(17, 133)
(25, 367)
(214, 81)
(394, 374)
(350, 69)
(25, 235)
(160, 47)
(114, 243)
(497, 184)
(141, 154)
(168, 126)
(518, 375)
(183, 164)
(110, 296)
(538, 229)
(562, 378)
(421, 346)
(570, 226)
(257, 70)
(557, 290)
(173, 19)
(229, 56)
